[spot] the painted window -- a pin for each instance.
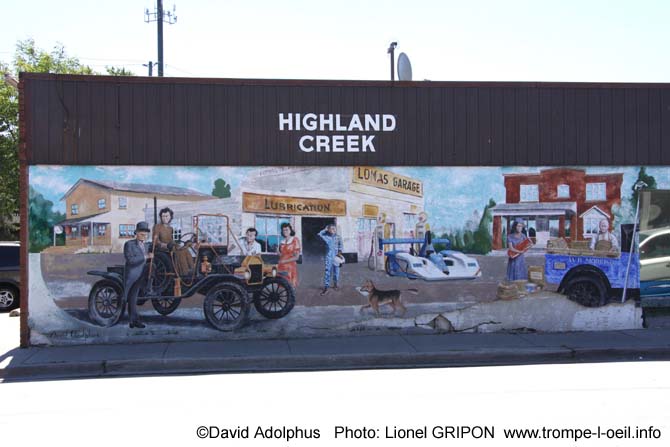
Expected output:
(596, 191)
(530, 193)
(74, 209)
(101, 229)
(126, 230)
(102, 204)
(366, 224)
(123, 203)
(212, 230)
(563, 192)
(269, 232)
(591, 226)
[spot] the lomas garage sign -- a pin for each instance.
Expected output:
(391, 181)
(260, 203)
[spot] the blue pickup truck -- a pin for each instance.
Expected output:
(593, 280)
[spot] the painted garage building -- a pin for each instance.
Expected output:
(309, 198)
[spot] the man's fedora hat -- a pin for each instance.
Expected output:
(142, 227)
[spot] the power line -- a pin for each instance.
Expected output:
(159, 16)
(180, 69)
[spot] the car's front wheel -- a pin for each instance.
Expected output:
(587, 291)
(9, 298)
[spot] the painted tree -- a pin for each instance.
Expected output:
(221, 189)
(483, 241)
(644, 177)
(42, 220)
(28, 58)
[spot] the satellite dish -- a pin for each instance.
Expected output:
(58, 229)
(404, 68)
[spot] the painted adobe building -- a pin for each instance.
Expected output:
(560, 202)
(101, 215)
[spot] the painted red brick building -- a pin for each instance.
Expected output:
(560, 202)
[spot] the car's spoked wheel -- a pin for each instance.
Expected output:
(105, 303)
(8, 298)
(166, 306)
(161, 278)
(227, 307)
(275, 299)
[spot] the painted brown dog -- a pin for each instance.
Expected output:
(377, 297)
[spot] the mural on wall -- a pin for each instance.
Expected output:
(177, 252)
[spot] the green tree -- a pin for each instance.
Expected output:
(116, 71)
(221, 189)
(483, 241)
(42, 220)
(9, 161)
(28, 58)
(646, 178)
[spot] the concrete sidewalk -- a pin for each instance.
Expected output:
(346, 352)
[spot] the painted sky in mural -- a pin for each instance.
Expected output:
(452, 195)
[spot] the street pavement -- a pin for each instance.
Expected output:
(390, 350)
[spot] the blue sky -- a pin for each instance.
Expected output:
(517, 40)
(452, 194)
(514, 40)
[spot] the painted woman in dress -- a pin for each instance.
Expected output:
(516, 266)
(163, 240)
(289, 252)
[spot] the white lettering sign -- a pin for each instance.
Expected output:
(335, 122)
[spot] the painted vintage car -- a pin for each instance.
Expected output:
(230, 283)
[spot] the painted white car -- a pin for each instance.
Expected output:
(459, 265)
(443, 266)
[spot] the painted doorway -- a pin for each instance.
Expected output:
(312, 245)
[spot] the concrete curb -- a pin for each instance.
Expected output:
(208, 365)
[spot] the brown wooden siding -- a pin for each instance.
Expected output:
(102, 120)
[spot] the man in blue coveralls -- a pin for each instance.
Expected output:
(334, 243)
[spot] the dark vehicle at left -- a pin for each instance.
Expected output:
(9, 276)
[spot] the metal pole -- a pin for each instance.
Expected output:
(159, 19)
(391, 51)
(151, 68)
(638, 186)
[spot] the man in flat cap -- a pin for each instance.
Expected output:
(136, 252)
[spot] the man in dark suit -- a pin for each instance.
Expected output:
(136, 252)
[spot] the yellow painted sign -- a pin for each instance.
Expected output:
(262, 203)
(370, 211)
(391, 181)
